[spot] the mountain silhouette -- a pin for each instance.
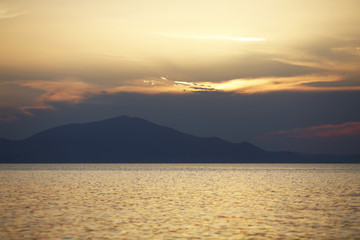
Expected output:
(133, 140)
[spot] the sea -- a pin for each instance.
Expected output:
(179, 201)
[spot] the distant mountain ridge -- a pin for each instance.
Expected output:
(134, 140)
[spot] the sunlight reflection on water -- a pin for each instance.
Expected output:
(168, 201)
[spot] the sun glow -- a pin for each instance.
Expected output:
(75, 90)
(54, 51)
(264, 85)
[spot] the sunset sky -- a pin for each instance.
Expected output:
(282, 74)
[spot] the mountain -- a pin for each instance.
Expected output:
(133, 140)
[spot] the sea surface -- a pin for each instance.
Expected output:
(179, 201)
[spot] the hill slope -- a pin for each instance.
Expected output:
(126, 140)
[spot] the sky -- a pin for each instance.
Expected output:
(281, 74)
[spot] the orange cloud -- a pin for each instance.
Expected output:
(321, 131)
(241, 86)
(69, 90)
(274, 84)
(65, 90)
(75, 91)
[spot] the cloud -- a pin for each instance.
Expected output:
(75, 91)
(238, 86)
(269, 84)
(8, 118)
(27, 110)
(350, 82)
(6, 13)
(43, 94)
(252, 65)
(214, 37)
(339, 55)
(321, 131)
(68, 90)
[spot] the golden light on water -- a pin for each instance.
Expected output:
(157, 201)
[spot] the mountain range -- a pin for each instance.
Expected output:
(133, 140)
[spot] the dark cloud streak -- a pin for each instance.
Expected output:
(350, 82)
